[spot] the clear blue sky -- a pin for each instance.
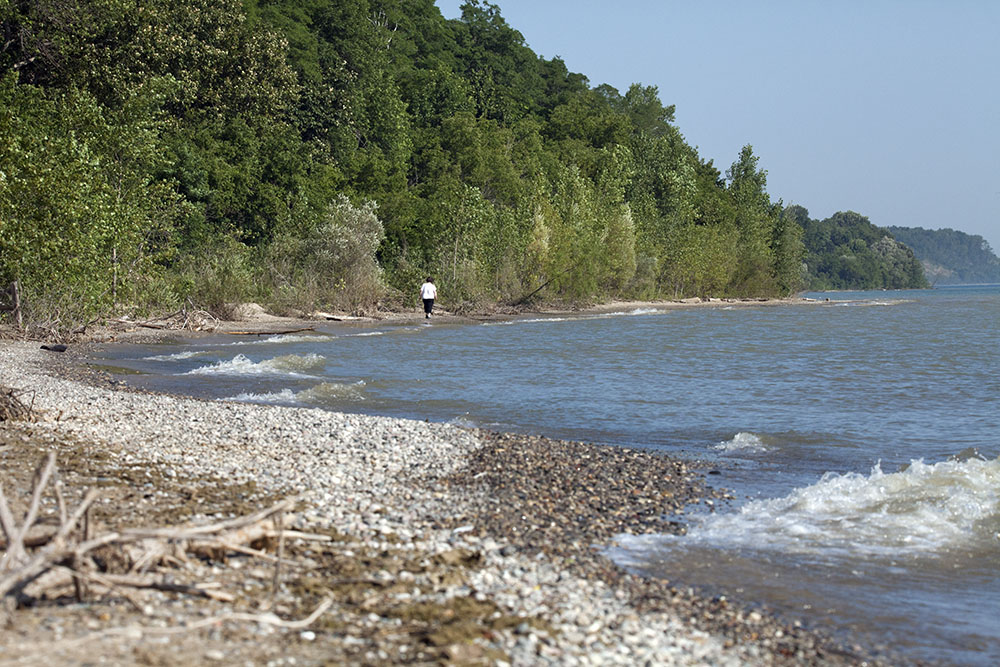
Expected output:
(890, 108)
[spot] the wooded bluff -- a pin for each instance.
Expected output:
(321, 153)
(950, 256)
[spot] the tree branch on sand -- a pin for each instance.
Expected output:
(67, 562)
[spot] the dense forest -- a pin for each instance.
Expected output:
(328, 154)
(950, 256)
(846, 251)
(307, 153)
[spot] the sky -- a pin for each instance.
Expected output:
(890, 108)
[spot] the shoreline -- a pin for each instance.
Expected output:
(424, 490)
(252, 319)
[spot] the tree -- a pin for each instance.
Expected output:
(846, 251)
(756, 218)
(951, 256)
(82, 221)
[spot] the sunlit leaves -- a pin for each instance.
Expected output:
(81, 220)
(219, 142)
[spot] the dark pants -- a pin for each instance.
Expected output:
(428, 306)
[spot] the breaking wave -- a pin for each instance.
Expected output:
(923, 509)
(290, 364)
(319, 395)
(179, 356)
(746, 443)
(576, 318)
(290, 338)
(870, 303)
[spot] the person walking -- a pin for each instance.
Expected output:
(428, 292)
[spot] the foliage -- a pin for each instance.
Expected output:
(846, 251)
(83, 224)
(951, 256)
(331, 265)
(312, 153)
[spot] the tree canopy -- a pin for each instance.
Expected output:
(950, 256)
(326, 153)
(846, 251)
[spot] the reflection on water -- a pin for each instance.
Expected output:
(834, 421)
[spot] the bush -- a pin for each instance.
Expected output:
(219, 273)
(333, 265)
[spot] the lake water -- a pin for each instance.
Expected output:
(861, 435)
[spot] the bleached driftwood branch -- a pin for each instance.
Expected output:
(66, 556)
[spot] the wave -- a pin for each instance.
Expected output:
(334, 391)
(289, 338)
(870, 303)
(576, 318)
(533, 320)
(464, 421)
(923, 509)
(291, 364)
(179, 356)
(623, 313)
(742, 442)
(322, 394)
(285, 396)
(365, 334)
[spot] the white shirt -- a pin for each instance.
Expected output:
(428, 291)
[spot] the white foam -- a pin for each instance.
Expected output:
(290, 364)
(925, 508)
(547, 320)
(367, 333)
(575, 318)
(533, 320)
(179, 356)
(283, 396)
(290, 338)
(742, 442)
(318, 395)
(464, 421)
(326, 391)
(871, 302)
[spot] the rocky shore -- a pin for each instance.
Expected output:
(447, 545)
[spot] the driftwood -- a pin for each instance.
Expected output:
(40, 562)
(187, 317)
(527, 297)
(12, 408)
(212, 621)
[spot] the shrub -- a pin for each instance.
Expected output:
(333, 264)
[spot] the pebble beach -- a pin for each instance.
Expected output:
(462, 546)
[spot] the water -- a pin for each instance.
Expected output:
(861, 436)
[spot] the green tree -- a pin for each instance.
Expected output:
(82, 222)
(756, 218)
(846, 251)
(951, 256)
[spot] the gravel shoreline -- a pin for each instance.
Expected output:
(500, 531)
